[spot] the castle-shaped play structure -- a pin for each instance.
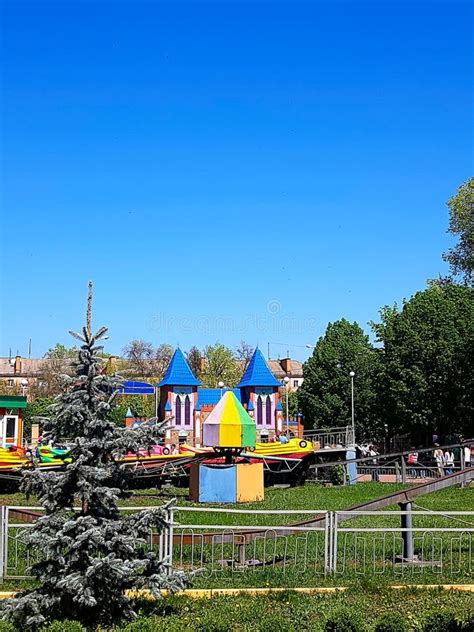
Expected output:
(187, 404)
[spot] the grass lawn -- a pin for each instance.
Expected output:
(292, 612)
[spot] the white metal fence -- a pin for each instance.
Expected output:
(285, 546)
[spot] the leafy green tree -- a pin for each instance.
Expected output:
(194, 358)
(60, 352)
(94, 556)
(461, 224)
(427, 381)
(292, 403)
(140, 406)
(219, 365)
(39, 407)
(325, 395)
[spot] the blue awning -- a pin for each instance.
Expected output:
(136, 388)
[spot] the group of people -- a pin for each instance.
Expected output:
(444, 461)
(418, 464)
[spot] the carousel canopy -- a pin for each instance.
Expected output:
(229, 425)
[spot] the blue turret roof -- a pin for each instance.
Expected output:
(257, 372)
(178, 372)
(167, 406)
(279, 406)
(250, 406)
(129, 413)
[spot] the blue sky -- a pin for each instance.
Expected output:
(226, 171)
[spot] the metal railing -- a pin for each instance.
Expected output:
(287, 547)
(341, 437)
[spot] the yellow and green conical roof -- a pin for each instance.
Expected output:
(229, 425)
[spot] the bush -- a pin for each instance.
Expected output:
(344, 621)
(6, 627)
(336, 475)
(441, 622)
(64, 626)
(391, 622)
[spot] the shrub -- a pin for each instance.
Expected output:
(336, 475)
(441, 621)
(6, 627)
(391, 622)
(344, 621)
(64, 626)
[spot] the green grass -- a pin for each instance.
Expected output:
(291, 612)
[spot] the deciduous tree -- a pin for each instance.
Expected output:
(325, 395)
(461, 225)
(219, 365)
(427, 384)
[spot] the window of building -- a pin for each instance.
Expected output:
(268, 411)
(296, 383)
(10, 427)
(259, 411)
(187, 411)
(10, 382)
(177, 411)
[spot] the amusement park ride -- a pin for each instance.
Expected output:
(229, 433)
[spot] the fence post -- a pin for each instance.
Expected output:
(171, 537)
(463, 463)
(2, 542)
(407, 536)
(397, 472)
(404, 471)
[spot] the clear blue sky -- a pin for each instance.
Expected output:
(226, 171)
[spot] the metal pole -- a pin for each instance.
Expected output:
(287, 414)
(352, 408)
(407, 536)
(156, 401)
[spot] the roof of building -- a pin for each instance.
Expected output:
(294, 368)
(167, 406)
(12, 401)
(257, 372)
(211, 396)
(279, 406)
(250, 406)
(178, 372)
(129, 413)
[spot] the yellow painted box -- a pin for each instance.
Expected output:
(249, 482)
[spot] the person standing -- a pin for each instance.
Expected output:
(467, 456)
(449, 461)
(439, 458)
(375, 473)
(413, 460)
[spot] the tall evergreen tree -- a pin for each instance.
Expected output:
(93, 556)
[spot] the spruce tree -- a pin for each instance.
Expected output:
(93, 556)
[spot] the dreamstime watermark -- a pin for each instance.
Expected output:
(271, 321)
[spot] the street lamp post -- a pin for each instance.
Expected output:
(352, 375)
(24, 384)
(221, 386)
(287, 381)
